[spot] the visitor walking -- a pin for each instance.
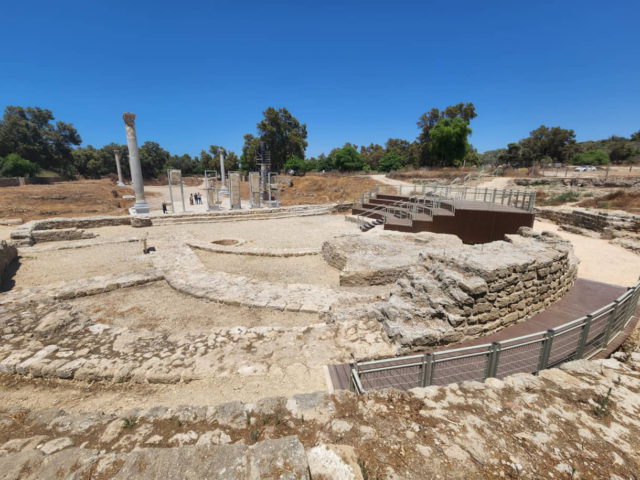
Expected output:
(164, 207)
(191, 199)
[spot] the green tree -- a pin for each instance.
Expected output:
(13, 165)
(284, 134)
(428, 121)
(181, 162)
(31, 133)
(372, 154)
(557, 143)
(635, 136)
(322, 163)
(621, 150)
(249, 150)
(88, 162)
(347, 158)
(512, 155)
(297, 165)
(230, 158)
(391, 161)
(492, 157)
(591, 157)
(448, 140)
(153, 159)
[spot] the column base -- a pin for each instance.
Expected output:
(139, 209)
(121, 184)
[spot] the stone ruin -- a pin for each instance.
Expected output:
(446, 292)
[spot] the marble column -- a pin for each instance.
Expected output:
(141, 206)
(120, 182)
(223, 189)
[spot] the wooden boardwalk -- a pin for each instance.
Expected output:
(584, 297)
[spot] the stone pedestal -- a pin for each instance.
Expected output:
(141, 206)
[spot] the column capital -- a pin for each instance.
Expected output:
(129, 119)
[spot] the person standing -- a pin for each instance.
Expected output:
(164, 207)
(191, 199)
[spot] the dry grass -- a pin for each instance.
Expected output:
(65, 199)
(448, 172)
(314, 189)
(627, 200)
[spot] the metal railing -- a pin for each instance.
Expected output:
(580, 338)
(521, 199)
(401, 208)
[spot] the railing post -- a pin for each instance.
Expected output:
(545, 352)
(611, 324)
(509, 199)
(493, 197)
(584, 333)
(485, 195)
(492, 360)
(427, 369)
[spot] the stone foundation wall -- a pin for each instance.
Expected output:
(510, 428)
(59, 235)
(610, 182)
(7, 254)
(592, 220)
(44, 230)
(453, 297)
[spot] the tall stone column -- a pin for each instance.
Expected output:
(120, 182)
(140, 207)
(223, 190)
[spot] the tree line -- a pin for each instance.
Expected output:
(31, 141)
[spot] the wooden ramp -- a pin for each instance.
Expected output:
(584, 297)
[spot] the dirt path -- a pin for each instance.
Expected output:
(599, 259)
(496, 182)
(389, 181)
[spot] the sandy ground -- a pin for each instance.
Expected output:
(497, 182)
(311, 269)
(294, 232)
(599, 259)
(157, 306)
(74, 264)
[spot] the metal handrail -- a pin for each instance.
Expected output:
(616, 314)
(518, 198)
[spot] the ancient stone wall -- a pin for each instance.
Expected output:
(610, 182)
(578, 421)
(592, 220)
(455, 294)
(7, 254)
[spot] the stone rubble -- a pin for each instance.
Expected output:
(579, 420)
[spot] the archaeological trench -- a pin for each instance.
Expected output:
(211, 346)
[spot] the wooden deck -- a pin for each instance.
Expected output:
(584, 297)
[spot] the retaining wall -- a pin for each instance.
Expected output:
(592, 220)
(454, 297)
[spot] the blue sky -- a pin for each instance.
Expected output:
(200, 73)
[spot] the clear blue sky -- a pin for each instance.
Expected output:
(201, 72)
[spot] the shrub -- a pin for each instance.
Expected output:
(391, 161)
(565, 197)
(348, 159)
(591, 157)
(13, 165)
(296, 164)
